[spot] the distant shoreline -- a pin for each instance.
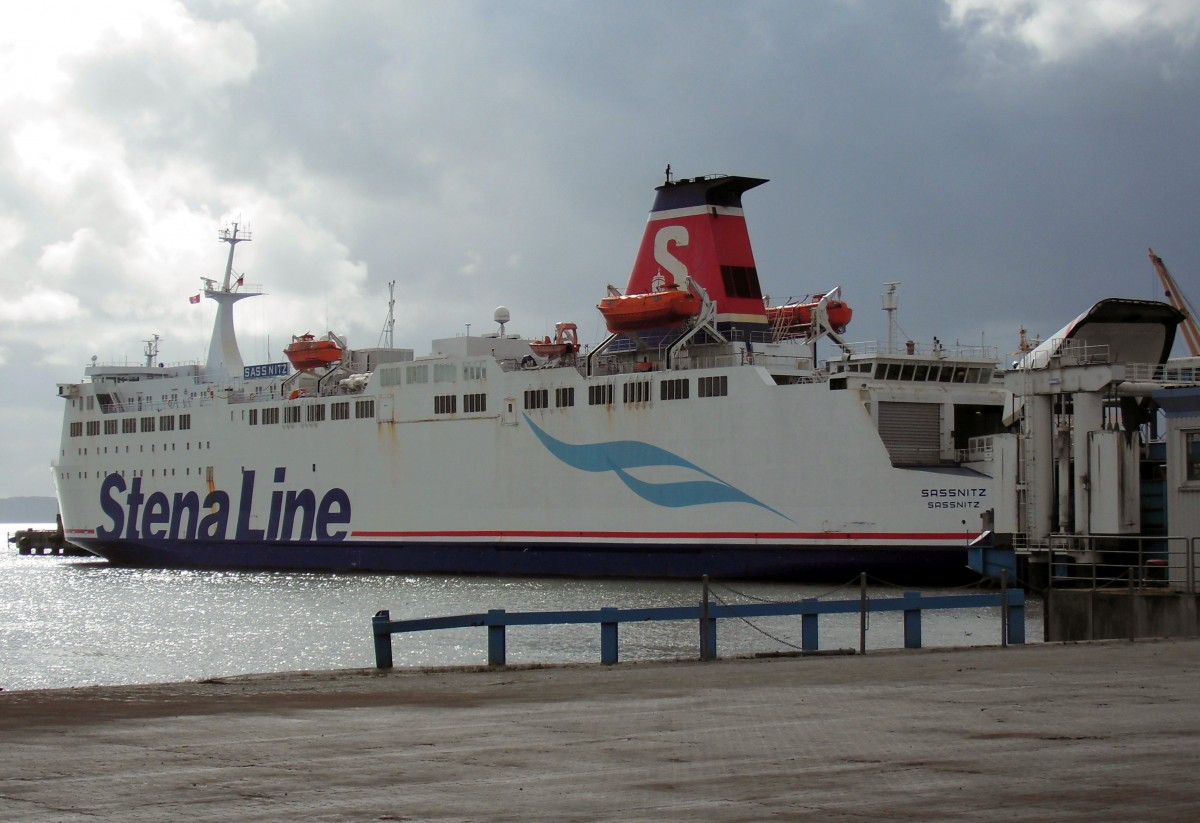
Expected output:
(28, 510)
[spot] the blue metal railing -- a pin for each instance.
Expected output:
(1010, 601)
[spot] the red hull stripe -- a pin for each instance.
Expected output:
(553, 535)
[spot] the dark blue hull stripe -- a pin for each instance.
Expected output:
(832, 562)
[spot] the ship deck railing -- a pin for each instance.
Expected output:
(936, 350)
(1011, 603)
(1166, 374)
(978, 449)
(610, 366)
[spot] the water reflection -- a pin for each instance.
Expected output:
(77, 621)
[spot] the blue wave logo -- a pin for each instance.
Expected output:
(618, 456)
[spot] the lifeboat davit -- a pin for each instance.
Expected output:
(800, 315)
(566, 340)
(306, 352)
(672, 306)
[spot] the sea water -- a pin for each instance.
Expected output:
(77, 621)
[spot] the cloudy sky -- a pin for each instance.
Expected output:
(1007, 161)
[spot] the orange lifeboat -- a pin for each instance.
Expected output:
(799, 315)
(306, 352)
(566, 340)
(661, 309)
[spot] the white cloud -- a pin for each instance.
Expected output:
(1057, 30)
(41, 43)
(39, 308)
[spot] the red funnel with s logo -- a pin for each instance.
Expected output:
(697, 229)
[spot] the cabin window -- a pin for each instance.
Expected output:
(270, 417)
(443, 373)
(339, 411)
(636, 391)
(129, 425)
(674, 389)
(564, 396)
(920, 372)
(474, 371)
(77, 429)
(390, 376)
(185, 421)
(314, 413)
(474, 403)
(291, 414)
(537, 398)
(601, 395)
(147, 424)
(110, 426)
(93, 427)
(364, 408)
(416, 374)
(713, 386)
(166, 423)
(445, 404)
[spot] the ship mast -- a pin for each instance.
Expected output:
(151, 349)
(389, 325)
(224, 358)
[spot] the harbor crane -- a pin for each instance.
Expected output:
(1177, 299)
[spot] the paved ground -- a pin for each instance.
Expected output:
(1103, 731)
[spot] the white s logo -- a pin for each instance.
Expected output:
(662, 254)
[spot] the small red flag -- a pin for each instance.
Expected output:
(195, 298)
(241, 279)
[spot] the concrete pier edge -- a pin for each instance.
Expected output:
(1096, 730)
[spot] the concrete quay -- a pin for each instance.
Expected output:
(1096, 731)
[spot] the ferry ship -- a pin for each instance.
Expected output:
(703, 435)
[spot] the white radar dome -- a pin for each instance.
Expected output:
(501, 315)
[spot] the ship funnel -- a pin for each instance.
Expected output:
(696, 229)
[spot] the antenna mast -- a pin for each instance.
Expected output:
(389, 325)
(151, 350)
(889, 306)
